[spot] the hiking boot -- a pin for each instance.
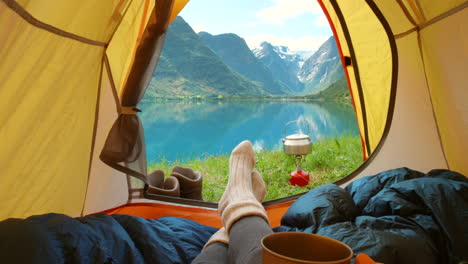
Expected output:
(191, 182)
(160, 186)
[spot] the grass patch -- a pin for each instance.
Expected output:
(330, 160)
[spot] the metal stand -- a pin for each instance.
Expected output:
(299, 177)
(298, 162)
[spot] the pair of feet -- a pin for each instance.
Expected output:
(244, 192)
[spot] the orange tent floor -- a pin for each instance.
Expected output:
(204, 216)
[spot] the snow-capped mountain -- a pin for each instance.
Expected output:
(235, 53)
(322, 69)
(283, 63)
(304, 55)
(224, 65)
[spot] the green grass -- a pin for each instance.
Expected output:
(330, 160)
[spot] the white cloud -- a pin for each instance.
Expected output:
(322, 21)
(283, 10)
(304, 43)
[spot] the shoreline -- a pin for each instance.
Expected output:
(245, 99)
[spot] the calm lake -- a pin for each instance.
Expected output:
(182, 130)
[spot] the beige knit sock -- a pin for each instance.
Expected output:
(258, 186)
(220, 236)
(239, 199)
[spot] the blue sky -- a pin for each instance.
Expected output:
(298, 24)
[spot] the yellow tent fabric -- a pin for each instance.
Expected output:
(445, 52)
(371, 67)
(407, 78)
(439, 29)
(47, 134)
(441, 48)
(52, 54)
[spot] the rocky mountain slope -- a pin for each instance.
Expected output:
(282, 63)
(209, 65)
(322, 69)
(187, 67)
(235, 53)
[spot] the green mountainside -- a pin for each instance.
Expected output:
(204, 65)
(234, 51)
(337, 91)
(187, 67)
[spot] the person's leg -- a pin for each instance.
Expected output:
(215, 250)
(240, 207)
(215, 253)
(244, 240)
(238, 199)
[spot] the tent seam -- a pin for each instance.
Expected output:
(108, 68)
(401, 35)
(143, 19)
(443, 15)
(393, 90)
(417, 29)
(417, 11)
(93, 140)
(421, 11)
(346, 72)
(28, 17)
(407, 13)
(356, 73)
(120, 22)
(434, 20)
(112, 83)
(137, 43)
(430, 99)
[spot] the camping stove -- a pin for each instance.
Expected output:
(299, 145)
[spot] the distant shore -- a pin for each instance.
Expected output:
(239, 98)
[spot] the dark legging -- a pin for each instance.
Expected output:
(244, 244)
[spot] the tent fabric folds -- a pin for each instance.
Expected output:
(51, 82)
(407, 69)
(47, 133)
(70, 69)
(126, 143)
(369, 47)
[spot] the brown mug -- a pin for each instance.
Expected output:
(297, 247)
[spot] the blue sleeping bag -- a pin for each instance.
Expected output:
(398, 216)
(57, 238)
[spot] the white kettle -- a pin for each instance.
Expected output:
(298, 143)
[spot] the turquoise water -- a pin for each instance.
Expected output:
(182, 130)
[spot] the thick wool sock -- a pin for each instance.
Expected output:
(238, 199)
(220, 236)
(258, 186)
